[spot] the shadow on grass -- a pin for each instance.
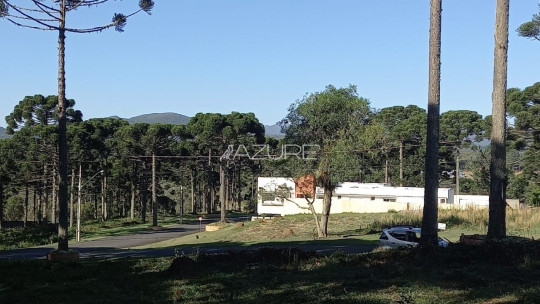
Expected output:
(494, 273)
(397, 276)
(348, 245)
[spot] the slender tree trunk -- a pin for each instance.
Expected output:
(124, 205)
(239, 189)
(71, 198)
(497, 189)
(386, 177)
(62, 136)
(34, 210)
(192, 189)
(1, 203)
(133, 197)
(325, 216)
(79, 202)
(222, 194)
(154, 192)
(26, 197)
(209, 184)
(143, 206)
(180, 205)
(320, 232)
(96, 208)
(46, 194)
(430, 212)
(104, 207)
(40, 205)
(401, 163)
(457, 171)
(54, 197)
(213, 198)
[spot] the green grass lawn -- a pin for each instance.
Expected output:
(348, 228)
(493, 273)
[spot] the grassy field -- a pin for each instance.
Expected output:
(492, 273)
(351, 228)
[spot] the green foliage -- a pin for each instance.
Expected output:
(39, 110)
(531, 29)
(4, 10)
(532, 196)
(517, 186)
(334, 119)
(14, 208)
(524, 107)
(23, 237)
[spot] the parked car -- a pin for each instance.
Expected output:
(403, 236)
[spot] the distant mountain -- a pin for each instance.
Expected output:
(3, 133)
(274, 131)
(167, 118)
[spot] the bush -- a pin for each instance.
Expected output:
(14, 209)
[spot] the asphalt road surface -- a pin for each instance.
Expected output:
(119, 246)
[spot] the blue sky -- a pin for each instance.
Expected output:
(260, 56)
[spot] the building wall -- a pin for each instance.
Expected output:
(354, 205)
(367, 198)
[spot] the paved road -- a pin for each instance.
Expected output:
(111, 246)
(119, 246)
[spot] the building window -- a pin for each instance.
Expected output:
(339, 197)
(372, 198)
(442, 201)
(389, 199)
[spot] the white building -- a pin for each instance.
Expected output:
(279, 196)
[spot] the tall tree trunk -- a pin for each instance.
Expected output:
(34, 210)
(430, 212)
(209, 183)
(457, 171)
(71, 198)
(222, 194)
(143, 198)
(79, 198)
(133, 197)
(154, 192)
(40, 205)
(213, 199)
(1, 203)
(46, 194)
(26, 197)
(325, 216)
(104, 207)
(401, 163)
(180, 205)
(192, 189)
(386, 176)
(62, 136)
(54, 197)
(497, 189)
(124, 207)
(239, 189)
(96, 208)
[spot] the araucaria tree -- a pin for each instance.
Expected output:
(531, 29)
(430, 213)
(498, 175)
(36, 14)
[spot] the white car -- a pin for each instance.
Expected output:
(403, 236)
